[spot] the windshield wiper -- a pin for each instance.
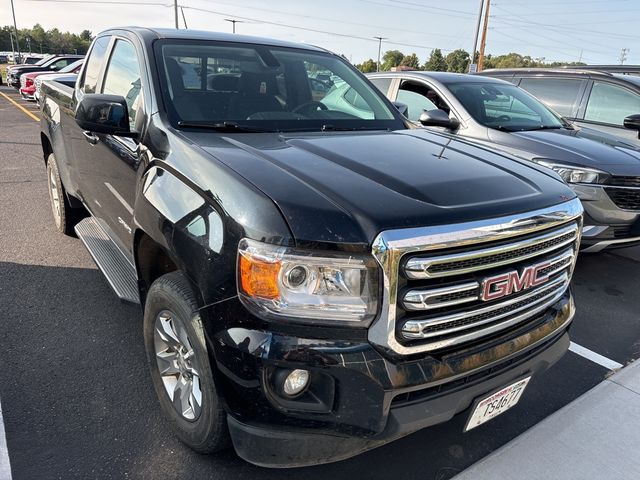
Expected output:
(544, 127)
(224, 127)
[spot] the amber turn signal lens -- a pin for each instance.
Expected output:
(258, 278)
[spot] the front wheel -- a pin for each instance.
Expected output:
(179, 364)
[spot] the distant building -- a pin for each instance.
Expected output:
(402, 68)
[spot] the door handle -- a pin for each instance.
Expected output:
(90, 137)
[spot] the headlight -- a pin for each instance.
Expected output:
(279, 282)
(571, 174)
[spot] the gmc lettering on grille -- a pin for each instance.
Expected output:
(513, 282)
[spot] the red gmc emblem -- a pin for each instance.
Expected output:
(513, 282)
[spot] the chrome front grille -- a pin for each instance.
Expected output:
(439, 297)
(465, 262)
(438, 281)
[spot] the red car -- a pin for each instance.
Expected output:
(28, 80)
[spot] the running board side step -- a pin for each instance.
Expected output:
(117, 269)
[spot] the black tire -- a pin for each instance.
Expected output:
(208, 433)
(64, 216)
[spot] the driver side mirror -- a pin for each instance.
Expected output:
(438, 118)
(107, 114)
(403, 108)
(632, 122)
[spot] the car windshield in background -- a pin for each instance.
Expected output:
(71, 67)
(44, 60)
(264, 88)
(505, 107)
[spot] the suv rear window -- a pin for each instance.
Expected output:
(561, 94)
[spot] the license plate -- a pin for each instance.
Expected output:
(496, 403)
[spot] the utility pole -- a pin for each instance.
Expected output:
(233, 22)
(175, 12)
(184, 19)
(379, 51)
(15, 27)
(483, 42)
(623, 55)
(475, 38)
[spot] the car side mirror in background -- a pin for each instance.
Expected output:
(106, 114)
(438, 118)
(632, 122)
(403, 108)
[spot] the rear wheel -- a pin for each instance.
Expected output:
(64, 216)
(179, 364)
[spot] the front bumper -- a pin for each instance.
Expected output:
(27, 93)
(605, 224)
(368, 399)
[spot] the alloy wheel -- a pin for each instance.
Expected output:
(176, 361)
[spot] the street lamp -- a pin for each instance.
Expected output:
(379, 50)
(233, 22)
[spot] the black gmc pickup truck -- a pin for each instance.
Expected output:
(316, 278)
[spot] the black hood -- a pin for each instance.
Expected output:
(346, 187)
(579, 147)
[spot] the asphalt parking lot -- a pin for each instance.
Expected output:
(77, 401)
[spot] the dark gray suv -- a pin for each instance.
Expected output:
(601, 100)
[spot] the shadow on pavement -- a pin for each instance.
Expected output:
(78, 402)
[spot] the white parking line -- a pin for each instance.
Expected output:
(5, 467)
(594, 357)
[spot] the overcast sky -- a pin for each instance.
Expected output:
(564, 30)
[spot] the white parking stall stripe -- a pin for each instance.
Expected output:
(594, 357)
(5, 467)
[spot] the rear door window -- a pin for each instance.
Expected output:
(561, 94)
(94, 64)
(611, 104)
(382, 84)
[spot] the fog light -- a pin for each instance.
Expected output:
(296, 382)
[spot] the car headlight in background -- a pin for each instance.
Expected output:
(572, 174)
(333, 288)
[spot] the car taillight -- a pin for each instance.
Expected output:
(29, 82)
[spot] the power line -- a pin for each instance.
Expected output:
(307, 29)
(333, 20)
(104, 2)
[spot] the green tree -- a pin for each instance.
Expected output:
(368, 66)
(391, 58)
(457, 61)
(436, 62)
(411, 61)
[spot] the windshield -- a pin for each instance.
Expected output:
(44, 60)
(71, 67)
(505, 107)
(267, 89)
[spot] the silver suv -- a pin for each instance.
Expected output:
(604, 101)
(602, 169)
